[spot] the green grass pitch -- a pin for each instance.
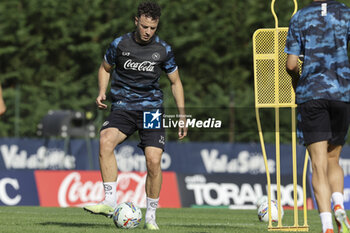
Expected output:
(23, 219)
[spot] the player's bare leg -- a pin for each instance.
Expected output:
(109, 139)
(319, 160)
(153, 184)
(335, 172)
(336, 181)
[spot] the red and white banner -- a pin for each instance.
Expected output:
(80, 188)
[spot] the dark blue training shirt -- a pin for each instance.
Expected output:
(137, 71)
(321, 33)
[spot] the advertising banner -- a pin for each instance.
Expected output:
(18, 188)
(234, 191)
(21, 154)
(195, 158)
(80, 188)
(233, 158)
(347, 192)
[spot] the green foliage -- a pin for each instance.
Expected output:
(50, 52)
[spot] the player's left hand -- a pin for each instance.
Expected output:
(99, 101)
(182, 128)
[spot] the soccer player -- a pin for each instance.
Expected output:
(320, 32)
(136, 60)
(2, 103)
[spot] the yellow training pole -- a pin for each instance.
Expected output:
(277, 120)
(295, 178)
(304, 187)
(261, 137)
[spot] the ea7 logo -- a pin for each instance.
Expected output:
(4, 197)
(151, 120)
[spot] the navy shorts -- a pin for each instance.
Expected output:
(324, 120)
(130, 121)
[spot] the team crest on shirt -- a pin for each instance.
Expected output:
(155, 56)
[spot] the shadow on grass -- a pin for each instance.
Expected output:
(70, 224)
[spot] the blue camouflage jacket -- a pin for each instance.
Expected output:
(320, 32)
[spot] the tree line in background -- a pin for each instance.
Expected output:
(50, 52)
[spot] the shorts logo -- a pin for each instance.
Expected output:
(105, 123)
(155, 56)
(162, 140)
(151, 120)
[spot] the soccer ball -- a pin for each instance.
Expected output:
(127, 215)
(263, 213)
(261, 200)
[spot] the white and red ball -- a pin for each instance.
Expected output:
(263, 213)
(127, 215)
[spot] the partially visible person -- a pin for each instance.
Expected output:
(320, 33)
(2, 103)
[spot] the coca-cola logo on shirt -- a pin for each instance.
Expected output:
(145, 66)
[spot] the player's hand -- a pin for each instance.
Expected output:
(100, 98)
(2, 107)
(182, 128)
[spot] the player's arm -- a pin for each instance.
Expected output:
(2, 103)
(103, 80)
(292, 68)
(178, 93)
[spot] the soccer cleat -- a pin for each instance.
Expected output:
(101, 209)
(329, 231)
(341, 219)
(151, 226)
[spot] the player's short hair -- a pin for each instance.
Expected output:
(149, 9)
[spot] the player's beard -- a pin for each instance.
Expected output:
(139, 39)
